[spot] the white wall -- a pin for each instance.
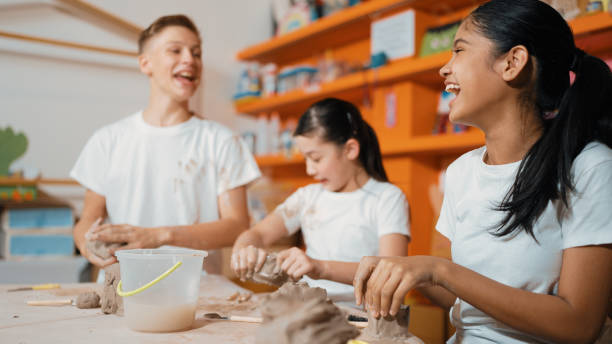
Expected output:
(59, 96)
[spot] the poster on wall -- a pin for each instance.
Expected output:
(394, 36)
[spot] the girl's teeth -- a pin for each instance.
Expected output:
(450, 88)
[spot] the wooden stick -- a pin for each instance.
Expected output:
(49, 302)
(245, 319)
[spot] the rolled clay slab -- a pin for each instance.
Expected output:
(298, 314)
(269, 274)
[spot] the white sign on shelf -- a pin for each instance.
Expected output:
(394, 35)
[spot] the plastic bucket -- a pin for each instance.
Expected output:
(160, 288)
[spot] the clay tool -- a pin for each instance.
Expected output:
(65, 302)
(353, 317)
(233, 318)
(357, 323)
(37, 287)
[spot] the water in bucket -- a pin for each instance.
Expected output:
(160, 288)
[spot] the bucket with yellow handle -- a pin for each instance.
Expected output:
(160, 288)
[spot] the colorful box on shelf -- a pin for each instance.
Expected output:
(295, 77)
(438, 39)
(36, 232)
(246, 97)
(18, 193)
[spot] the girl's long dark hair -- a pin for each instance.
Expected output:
(571, 115)
(338, 121)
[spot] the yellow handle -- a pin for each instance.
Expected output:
(46, 286)
(146, 286)
(355, 341)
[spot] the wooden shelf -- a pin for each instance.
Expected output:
(271, 160)
(429, 144)
(591, 23)
(4, 181)
(356, 16)
(439, 144)
(348, 25)
(424, 70)
(593, 33)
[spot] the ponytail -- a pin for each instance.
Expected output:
(572, 115)
(338, 121)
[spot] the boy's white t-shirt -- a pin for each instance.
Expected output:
(164, 176)
(344, 226)
(473, 189)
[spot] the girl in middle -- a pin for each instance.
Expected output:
(353, 211)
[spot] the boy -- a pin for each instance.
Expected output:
(163, 176)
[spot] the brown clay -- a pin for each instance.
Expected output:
(100, 248)
(392, 329)
(111, 302)
(88, 300)
(297, 314)
(270, 274)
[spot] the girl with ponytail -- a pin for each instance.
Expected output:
(353, 211)
(529, 215)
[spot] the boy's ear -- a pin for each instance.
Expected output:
(145, 64)
(351, 149)
(514, 64)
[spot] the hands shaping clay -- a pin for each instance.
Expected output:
(111, 302)
(270, 274)
(298, 314)
(100, 248)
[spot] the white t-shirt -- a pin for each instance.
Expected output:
(164, 176)
(344, 226)
(473, 189)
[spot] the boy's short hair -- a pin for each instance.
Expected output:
(162, 23)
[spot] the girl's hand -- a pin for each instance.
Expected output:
(247, 260)
(383, 282)
(296, 264)
(132, 236)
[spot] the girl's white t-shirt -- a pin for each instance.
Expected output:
(164, 176)
(473, 189)
(344, 226)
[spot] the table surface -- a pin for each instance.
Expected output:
(20, 323)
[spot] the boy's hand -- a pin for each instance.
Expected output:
(247, 260)
(296, 264)
(92, 257)
(132, 236)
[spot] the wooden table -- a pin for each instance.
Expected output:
(20, 323)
